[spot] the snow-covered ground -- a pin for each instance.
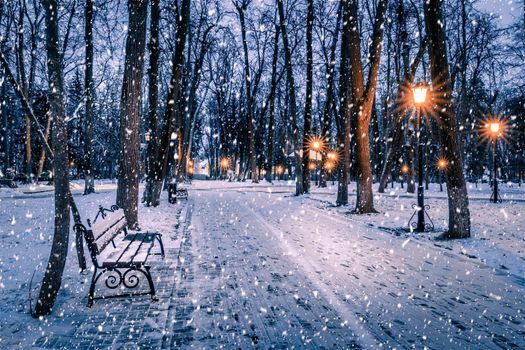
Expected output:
(252, 265)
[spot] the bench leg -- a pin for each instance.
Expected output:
(157, 237)
(150, 281)
(91, 294)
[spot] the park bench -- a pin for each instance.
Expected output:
(175, 193)
(181, 193)
(123, 263)
(8, 183)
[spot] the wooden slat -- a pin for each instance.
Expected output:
(106, 229)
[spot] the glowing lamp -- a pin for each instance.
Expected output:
(420, 93)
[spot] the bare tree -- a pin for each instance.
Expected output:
(271, 118)
(458, 204)
(57, 258)
(153, 98)
(89, 183)
(309, 92)
(292, 100)
(160, 161)
(364, 96)
(129, 165)
(329, 104)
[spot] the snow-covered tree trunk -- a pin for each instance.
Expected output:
(458, 203)
(130, 105)
(57, 258)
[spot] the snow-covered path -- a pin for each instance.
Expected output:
(284, 272)
(253, 266)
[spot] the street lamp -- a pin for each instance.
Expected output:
(329, 166)
(279, 170)
(225, 163)
(442, 164)
(317, 144)
(404, 171)
(495, 131)
(333, 159)
(419, 92)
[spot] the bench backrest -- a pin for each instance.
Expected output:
(104, 230)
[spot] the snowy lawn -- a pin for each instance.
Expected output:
(251, 265)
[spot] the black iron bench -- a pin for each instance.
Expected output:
(181, 193)
(8, 183)
(175, 193)
(122, 264)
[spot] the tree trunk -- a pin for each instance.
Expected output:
(57, 258)
(43, 152)
(458, 208)
(89, 182)
(329, 102)
(249, 103)
(292, 101)
(308, 102)
(129, 165)
(23, 82)
(271, 121)
(160, 161)
(343, 135)
(363, 100)
(151, 190)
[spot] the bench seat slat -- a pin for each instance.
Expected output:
(106, 229)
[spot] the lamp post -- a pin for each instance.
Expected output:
(495, 130)
(420, 94)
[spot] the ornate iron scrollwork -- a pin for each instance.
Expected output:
(412, 222)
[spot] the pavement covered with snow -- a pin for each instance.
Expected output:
(253, 266)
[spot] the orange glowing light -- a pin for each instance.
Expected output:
(442, 163)
(494, 128)
(419, 92)
(317, 143)
(333, 156)
(405, 169)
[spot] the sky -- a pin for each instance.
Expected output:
(506, 10)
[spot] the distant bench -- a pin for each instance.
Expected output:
(8, 183)
(175, 193)
(123, 264)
